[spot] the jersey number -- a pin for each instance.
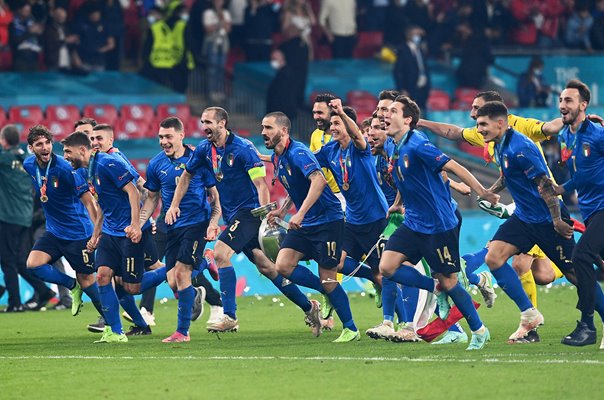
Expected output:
(444, 254)
(561, 250)
(85, 257)
(331, 249)
(234, 226)
(130, 265)
(380, 248)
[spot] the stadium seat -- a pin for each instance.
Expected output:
(368, 45)
(137, 112)
(473, 150)
(141, 165)
(193, 129)
(438, 100)
(126, 129)
(464, 98)
(103, 113)
(69, 113)
(60, 129)
(244, 133)
(182, 111)
(26, 114)
(361, 115)
(2, 116)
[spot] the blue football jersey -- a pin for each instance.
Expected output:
(233, 162)
(163, 174)
(355, 173)
(417, 164)
(66, 216)
(293, 168)
(384, 177)
(586, 165)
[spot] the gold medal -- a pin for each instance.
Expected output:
(219, 176)
(43, 198)
(345, 186)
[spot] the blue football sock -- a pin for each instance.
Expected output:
(339, 301)
(409, 276)
(129, 305)
(456, 328)
(350, 265)
(473, 262)
(410, 297)
(153, 278)
(185, 309)
(389, 294)
(228, 286)
(508, 280)
(463, 301)
(93, 292)
(48, 273)
(304, 277)
(292, 292)
(111, 308)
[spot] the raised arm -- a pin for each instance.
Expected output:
(351, 127)
(448, 131)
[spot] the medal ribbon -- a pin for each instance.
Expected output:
(566, 150)
(344, 167)
(277, 163)
(91, 166)
(42, 180)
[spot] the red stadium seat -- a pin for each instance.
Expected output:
(126, 129)
(361, 101)
(102, 113)
(193, 129)
(438, 100)
(182, 111)
(26, 114)
(2, 116)
(141, 165)
(60, 129)
(368, 45)
(137, 112)
(464, 98)
(69, 113)
(468, 148)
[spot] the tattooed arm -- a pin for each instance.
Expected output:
(448, 131)
(213, 229)
(548, 194)
(498, 186)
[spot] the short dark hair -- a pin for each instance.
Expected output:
(85, 121)
(489, 95)
(352, 114)
(410, 109)
(493, 110)
(324, 98)
(77, 139)
(584, 93)
(11, 134)
(389, 95)
(220, 114)
(281, 119)
(366, 122)
(172, 122)
(38, 131)
(102, 127)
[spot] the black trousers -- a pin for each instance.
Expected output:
(587, 250)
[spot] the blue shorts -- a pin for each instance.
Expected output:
(322, 243)
(360, 239)
(74, 252)
(525, 235)
(441, 250)
(151, 254)
(186, 244)
(125, 258)
(242, 233)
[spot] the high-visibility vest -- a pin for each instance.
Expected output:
(162, 51)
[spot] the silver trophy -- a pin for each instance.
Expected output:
(270, 236)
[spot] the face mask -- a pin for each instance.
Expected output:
(537, 72)
(417, 39)
(151, 19)
(275, 64)
(184, 17)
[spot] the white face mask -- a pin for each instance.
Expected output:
(184, 17)
(417, 39)
(537, 72)
(151, 19)
(275, 64)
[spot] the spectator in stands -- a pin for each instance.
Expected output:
(597, 29)
(578, 27)
(338, 20)
(297, 19)
(217, 25)
(295, 50)
(411, 72)
(195, 33)
(6, 17)
(418, 13)
(182, 57)
(499, 22)
(24, 36)
(532, 89)
(260, 23)
(113, 18)
(538, 21)
(374, 12)
(157, 49)
(395, 25)
(58, 41)
(237, 11)
(279, 96)
(94, 40)
(16, 210)
(475, 57)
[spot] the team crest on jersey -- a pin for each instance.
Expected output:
(230, 159)
(179, 166)
(586, 150)
(406, 161)
(55, 182)
(505, 162)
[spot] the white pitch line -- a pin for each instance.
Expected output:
(316, 358)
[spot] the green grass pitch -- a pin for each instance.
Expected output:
(50, 355)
